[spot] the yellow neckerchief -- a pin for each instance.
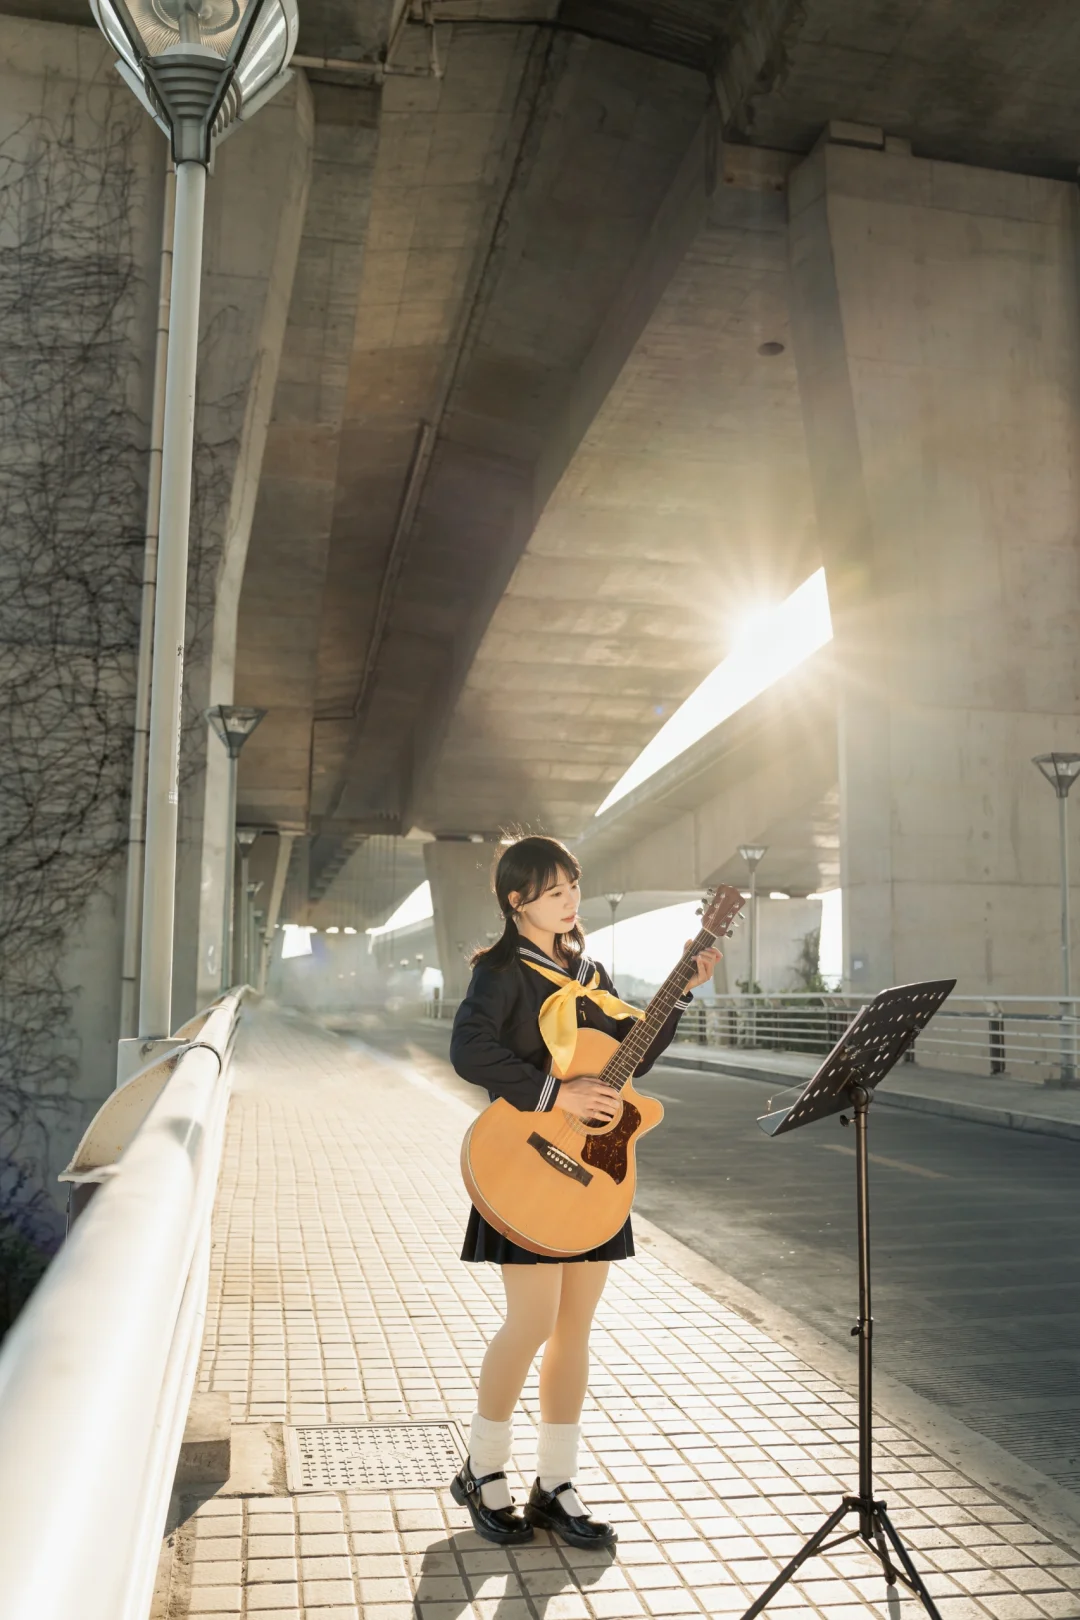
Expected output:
(558, 1015)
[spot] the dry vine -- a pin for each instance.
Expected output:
(72, 453)
(70, 540)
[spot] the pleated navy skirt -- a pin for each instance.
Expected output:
(483, 1242)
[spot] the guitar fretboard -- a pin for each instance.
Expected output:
(619, 1068)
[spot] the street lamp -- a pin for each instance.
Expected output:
(614, 901)
(234, 726)
(752, 854)
(245, 837)
(197, 66)
(1061, 771)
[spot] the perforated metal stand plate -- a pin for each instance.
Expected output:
(372, 1456)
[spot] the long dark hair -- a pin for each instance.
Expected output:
(527, 867)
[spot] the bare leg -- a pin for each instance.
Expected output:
(564, 1371)
(532, 1308)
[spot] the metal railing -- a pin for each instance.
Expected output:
(97, 1373)
(1035, 1038)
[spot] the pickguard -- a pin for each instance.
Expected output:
(609, 1152)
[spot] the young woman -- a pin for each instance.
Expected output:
(496, 1043)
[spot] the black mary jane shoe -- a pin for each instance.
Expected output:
(504, 1526)
(546, 1512)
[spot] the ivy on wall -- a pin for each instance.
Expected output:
(70, 555)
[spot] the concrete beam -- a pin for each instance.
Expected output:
(655, 460)
(767, 775)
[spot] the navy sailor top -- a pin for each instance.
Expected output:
(496, 1041)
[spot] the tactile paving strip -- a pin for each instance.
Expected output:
(380, 1456)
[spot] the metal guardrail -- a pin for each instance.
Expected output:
(97, 1373)
(1035, 1038)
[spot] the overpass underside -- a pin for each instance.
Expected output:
(521, 382)
(618, 351)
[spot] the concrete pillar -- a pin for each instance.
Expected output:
(935, 319)
(466, 915)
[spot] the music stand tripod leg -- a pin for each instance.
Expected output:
(872, 1046)
(799, 1559)
(913, 1578)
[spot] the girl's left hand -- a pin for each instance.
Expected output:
(706, 962)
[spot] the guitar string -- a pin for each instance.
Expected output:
(636, 1044)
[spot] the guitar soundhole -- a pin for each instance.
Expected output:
(608, 1153)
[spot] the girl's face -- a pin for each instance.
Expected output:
(555, 910)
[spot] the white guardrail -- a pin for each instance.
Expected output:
(1035, 1038)
(96, 1375)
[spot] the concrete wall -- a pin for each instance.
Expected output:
(81, 173)
(935, 316)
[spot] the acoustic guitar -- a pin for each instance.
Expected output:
(556, 1184)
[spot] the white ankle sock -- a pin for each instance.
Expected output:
(557, 1461)
(489, 1452)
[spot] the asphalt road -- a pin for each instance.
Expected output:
(976, 1246)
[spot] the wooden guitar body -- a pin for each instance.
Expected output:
(549, 1182)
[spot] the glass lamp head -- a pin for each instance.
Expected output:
(1060, 770)
(200, 62)
(234, 725)
(752, 853)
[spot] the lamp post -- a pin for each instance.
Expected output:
(197, 66)
(255, 921)
(752, 854)
(245, 837)
(234, 726)
(1061, 771)
(614, 901)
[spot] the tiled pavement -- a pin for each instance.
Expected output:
(337, 1295)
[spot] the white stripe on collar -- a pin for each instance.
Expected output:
(583, 973)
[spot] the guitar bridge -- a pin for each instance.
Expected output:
(559, 1160)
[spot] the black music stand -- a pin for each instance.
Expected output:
(877, 1039)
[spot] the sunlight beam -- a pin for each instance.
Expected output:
(776, 642)
(416, 907)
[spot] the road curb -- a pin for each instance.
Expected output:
(1007, 1118)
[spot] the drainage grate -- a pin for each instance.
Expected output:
(383, 1456)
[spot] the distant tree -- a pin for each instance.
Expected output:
(807, 968)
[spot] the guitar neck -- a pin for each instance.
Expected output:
(619, 1068)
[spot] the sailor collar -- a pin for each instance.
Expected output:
(583, 973)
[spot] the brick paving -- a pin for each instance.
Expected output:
(337, 1296)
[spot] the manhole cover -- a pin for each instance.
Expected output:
(386, 1456)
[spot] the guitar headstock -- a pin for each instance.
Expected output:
(720, 909)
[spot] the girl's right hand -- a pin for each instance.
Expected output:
(588, 1098)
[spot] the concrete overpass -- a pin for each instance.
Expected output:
(522, 380)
